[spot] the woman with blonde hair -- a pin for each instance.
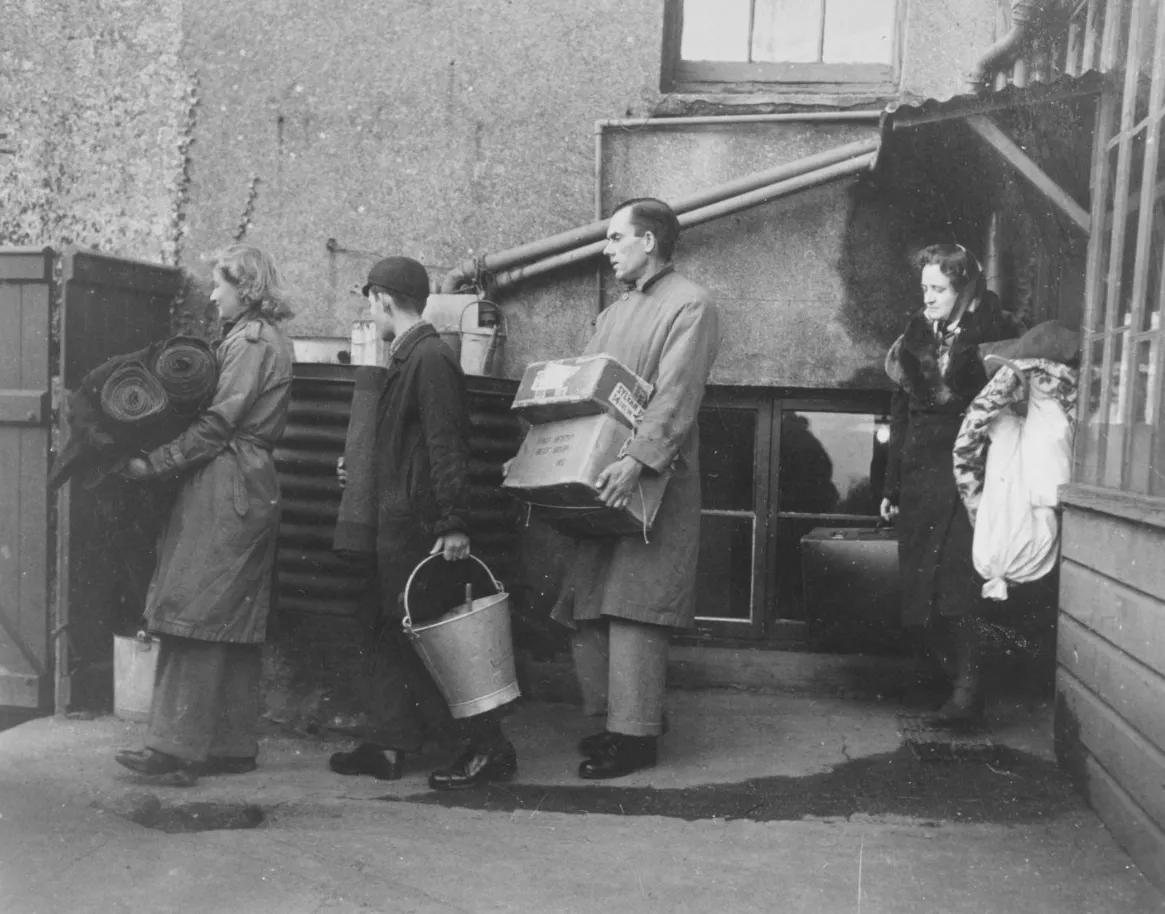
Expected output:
(211, 591)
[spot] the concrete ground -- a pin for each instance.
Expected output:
(761, 802)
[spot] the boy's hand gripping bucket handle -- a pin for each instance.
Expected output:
(407, 622)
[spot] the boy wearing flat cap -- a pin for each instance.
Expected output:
(422, 492)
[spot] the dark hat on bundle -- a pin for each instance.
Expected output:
(401, 275)
(1050, 340)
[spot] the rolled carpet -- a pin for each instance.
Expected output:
(186, 368)
(355, 535)
(132, 394)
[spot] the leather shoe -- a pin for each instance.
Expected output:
(152, 763)
(477, 766)
(593, 744)
(229, 764)
(621, 756)
(382, 764)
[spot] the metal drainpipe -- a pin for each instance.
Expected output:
(565, 241)
(1006, 48)
(698, 216)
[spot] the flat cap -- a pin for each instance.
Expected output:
(402, 275)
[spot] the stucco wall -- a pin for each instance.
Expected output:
(443, 130)
(94, 103)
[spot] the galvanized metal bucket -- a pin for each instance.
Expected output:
(135, 663)
(469, 651)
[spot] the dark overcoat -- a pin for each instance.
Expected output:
(939, 373)
(668, 334)
(216, 554)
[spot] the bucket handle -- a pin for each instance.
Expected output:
(501, 329)
(407, 623)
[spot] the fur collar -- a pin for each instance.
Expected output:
(936, 372)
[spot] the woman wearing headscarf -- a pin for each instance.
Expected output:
(937, 368)
(211, 590)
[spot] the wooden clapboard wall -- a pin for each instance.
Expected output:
(1110, 725)
(25, 295)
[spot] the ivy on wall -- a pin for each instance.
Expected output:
(98, 116)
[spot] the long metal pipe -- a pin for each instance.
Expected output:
(852, 166)
(712, 119)
(1006, 48)
(565, 241)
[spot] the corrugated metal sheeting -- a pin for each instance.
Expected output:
(313, 580)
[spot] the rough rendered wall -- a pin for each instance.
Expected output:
(425, 127)
(94, 104)
(445, 129)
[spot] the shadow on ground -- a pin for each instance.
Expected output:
(991, 784)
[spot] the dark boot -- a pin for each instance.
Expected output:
(479, 764)
(966, 705)
(382, 764)
(619, 756)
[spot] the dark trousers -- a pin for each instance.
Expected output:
(206, 699)
(406, 708)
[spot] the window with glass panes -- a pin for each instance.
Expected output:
(781, 41)
(1121, 435)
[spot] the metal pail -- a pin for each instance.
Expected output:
(470, 654)
(135, 662)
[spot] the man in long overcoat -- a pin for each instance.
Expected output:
(624, 596)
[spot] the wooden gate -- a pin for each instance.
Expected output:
(26, 281)
(110, 306)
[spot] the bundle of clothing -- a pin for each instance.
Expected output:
(131, 404)
(1014, 451)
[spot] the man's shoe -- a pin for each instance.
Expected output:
(382, 764)
(477, 766)
(230, 764)
(593, 744)
(154, 764)
(619, 757)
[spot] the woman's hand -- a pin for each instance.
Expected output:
(454, 546)
(889, 510)
(135, 468)
(341, 473)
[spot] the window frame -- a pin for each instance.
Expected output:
(1112, 456)
(764, 624)
(703, 76)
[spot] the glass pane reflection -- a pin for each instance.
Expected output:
(831, 463)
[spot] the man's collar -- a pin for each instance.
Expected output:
(401, 347)
(656, 277)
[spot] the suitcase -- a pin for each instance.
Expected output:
(853, 597)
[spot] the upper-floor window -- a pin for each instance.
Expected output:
(817, 45)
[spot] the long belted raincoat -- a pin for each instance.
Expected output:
(668, 334)
(217, 552)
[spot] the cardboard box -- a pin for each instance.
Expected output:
(555, 472)
(586, 386)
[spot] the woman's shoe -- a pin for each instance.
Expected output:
(382, 764)
(620, 757)
(230, 764)
(961, 712)
(149, 762)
